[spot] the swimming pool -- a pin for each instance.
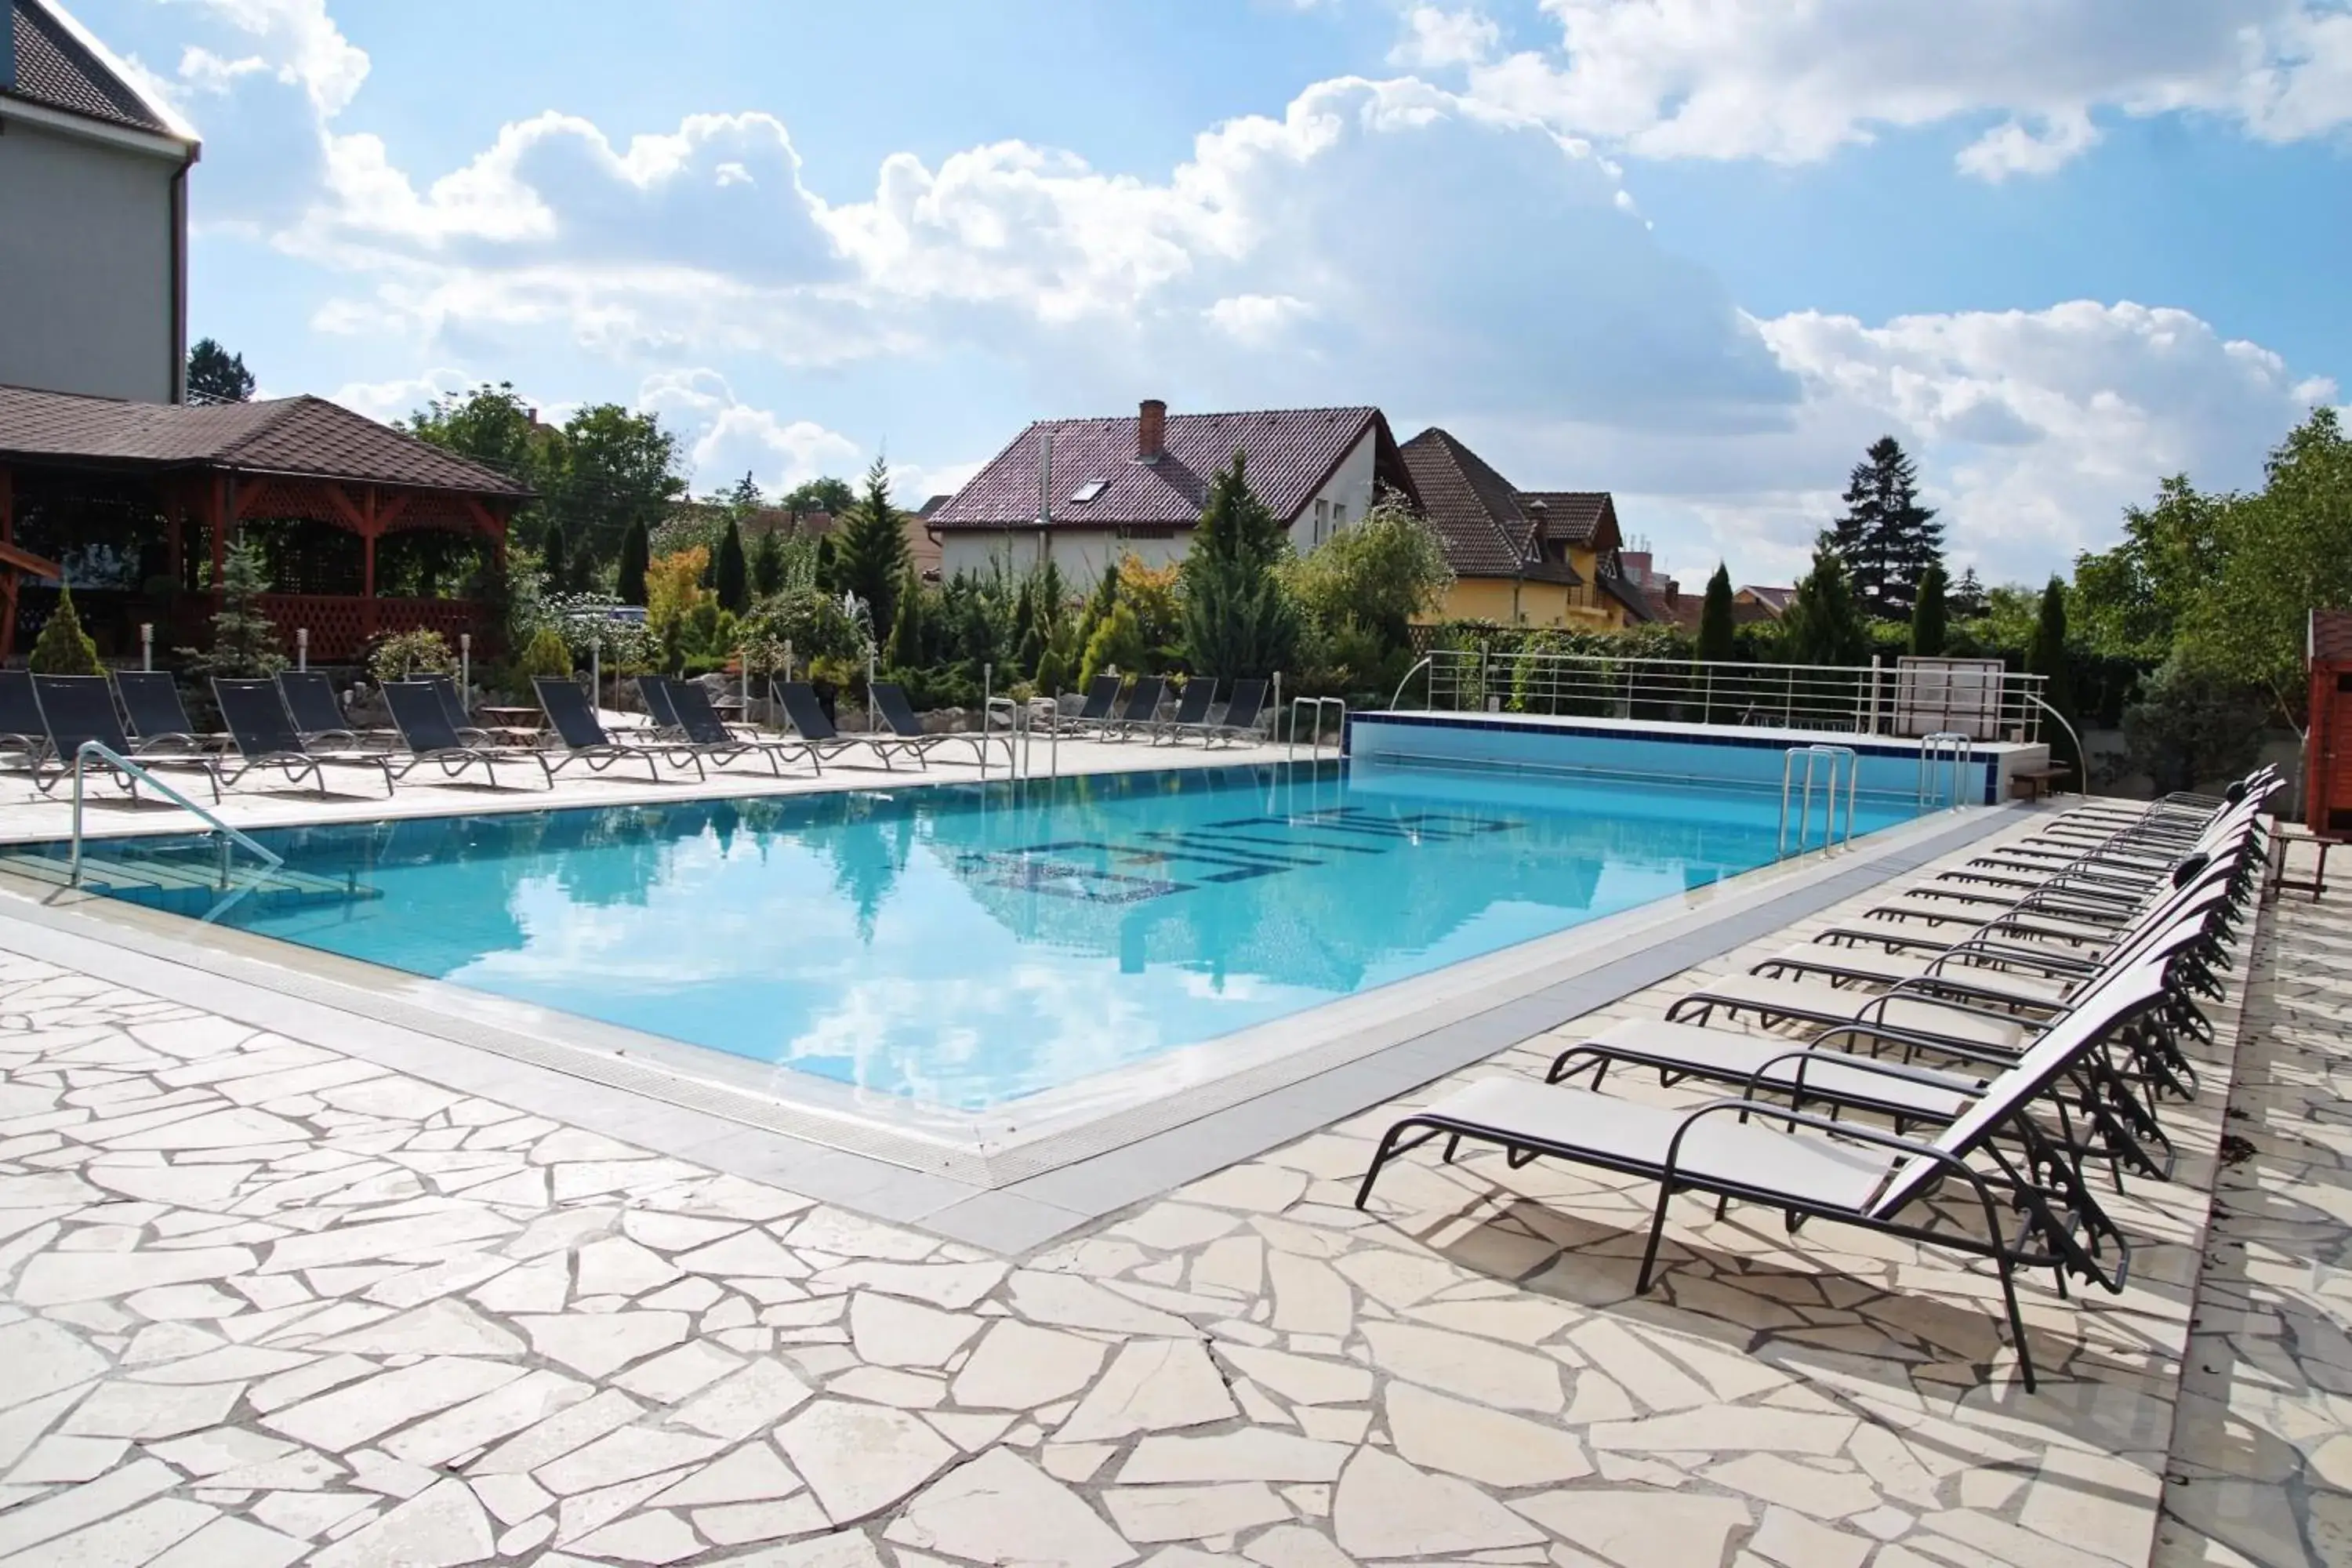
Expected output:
(966, 946)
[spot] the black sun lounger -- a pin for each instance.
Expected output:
(805, 714)
(264, 737)
(1243, 716)
(78, 708)
(585, 739)
(1094, 711)
(21, 729)
(453, 710)
(907, 734)
(318, 716)
(158, 719)
(711, 735)
(1191, 715)
(1142, 708)
(425, 730)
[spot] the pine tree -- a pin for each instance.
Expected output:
(63, 647)
(246, 642)
(731, 574)
(1967, 600)
(2046, 655)
(1237, 620)
(1822, 624)
(828, 574)
(637, 555)
(1100, 603)
(871, 555)
(1716, 630)
(554, 559)
(905, 648)
(1927, 615)
(1887, 540)
(768, 565)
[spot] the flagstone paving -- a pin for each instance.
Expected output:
(263, 1304)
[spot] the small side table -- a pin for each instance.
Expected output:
(519, 726)
(2286, 835)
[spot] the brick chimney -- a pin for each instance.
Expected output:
(1151, 430)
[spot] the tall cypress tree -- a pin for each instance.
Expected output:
(768, 565)
(636, 554)
(1715, 631)
(2046, 655)
(731, 574)
(554, 559)
(1887, 540)
(905, 649)
(1237, 620)
(1927, 615)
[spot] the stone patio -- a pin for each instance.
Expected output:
(268, 1303)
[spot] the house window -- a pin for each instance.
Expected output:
(1322, 522)
(1338, 516)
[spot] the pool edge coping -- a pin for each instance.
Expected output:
(1018, 1214)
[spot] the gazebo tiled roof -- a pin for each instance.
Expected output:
(299, 436)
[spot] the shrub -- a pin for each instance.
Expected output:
(1116, 643)
(63, 647)
(545, 655)
(405, 654)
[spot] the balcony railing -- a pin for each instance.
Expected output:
(1976, 698)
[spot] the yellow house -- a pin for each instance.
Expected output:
(1542, 558)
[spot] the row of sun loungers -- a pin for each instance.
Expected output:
(1107, 715)
(1986, 1036)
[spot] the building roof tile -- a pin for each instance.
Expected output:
(1584, 518)
(1291, 454)
(300, 436)
(2331, 636)
(1476, 513)
(56, 69)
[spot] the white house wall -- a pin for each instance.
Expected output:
(86, 281)
(1082, 554)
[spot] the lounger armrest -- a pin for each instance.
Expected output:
(1793, 1118)
(1969, 955)
(1917, 1039)
(1927, 1076)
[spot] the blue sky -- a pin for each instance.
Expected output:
(1699, 252)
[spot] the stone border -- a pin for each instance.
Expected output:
(732, 1133)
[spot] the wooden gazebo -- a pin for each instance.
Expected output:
(130, 500)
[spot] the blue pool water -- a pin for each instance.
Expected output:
(964, 946)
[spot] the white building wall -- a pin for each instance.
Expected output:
(86, 292)
(1082, 554)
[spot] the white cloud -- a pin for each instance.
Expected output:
(397, 398)
(1435, 38)
(2032, 430)
(1767, 79)
(726, 440)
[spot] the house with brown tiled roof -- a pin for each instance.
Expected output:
(93, 216)
(1085, 492)
(1533, 558)
(1772, 602)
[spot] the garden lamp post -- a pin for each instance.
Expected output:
(465, 665)
(146, 645)
(301, 647)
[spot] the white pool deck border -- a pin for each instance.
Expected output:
(1072, 1156)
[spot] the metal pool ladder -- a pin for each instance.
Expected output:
(1951, 751)
(1315, 745)
(1816, 757)
(89, 748)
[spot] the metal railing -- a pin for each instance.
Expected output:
(1944, 756)
(1316, 704)
(115, 759)
(1815, 757)
(1989, 704)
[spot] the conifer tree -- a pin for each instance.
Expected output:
(554, 559)
(1238, 622)
(1887, 540)
(63, 647)
(2046, 655)
(246, 642)
(1823, 624)
(732, 576)
(870, 555)
(768, 565)
(1927, 615)
(905, 649)
(637, 555)
(1716, 630)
